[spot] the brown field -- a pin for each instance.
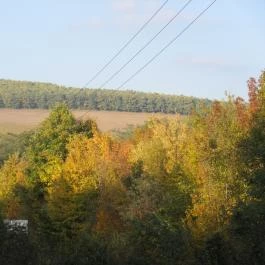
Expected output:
(16, 121)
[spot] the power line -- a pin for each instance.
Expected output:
(146, 45)
(162, 50)
(126, 44)
(165, 47)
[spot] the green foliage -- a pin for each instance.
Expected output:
(54, 133)
(21, 94)
(12, 143)
(154, 241)
(16, 248)
(48, 146)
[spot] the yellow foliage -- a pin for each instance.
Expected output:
(92, 162)
(212, 159)
(12, 174)
(163, 149)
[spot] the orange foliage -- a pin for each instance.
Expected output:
(253, 95)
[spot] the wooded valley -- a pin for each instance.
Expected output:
(170, 192)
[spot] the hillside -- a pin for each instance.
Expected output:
(36, 95)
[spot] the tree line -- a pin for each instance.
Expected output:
(22, 94)
(173, 192)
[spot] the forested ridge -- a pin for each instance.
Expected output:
(173, 192)
(22, 94)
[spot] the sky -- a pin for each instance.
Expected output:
(67, 41)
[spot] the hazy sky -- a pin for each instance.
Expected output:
(67, 41)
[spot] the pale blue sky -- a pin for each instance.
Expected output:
(67, 41)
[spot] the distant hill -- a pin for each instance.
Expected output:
(36, 95)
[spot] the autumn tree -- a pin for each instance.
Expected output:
(247, 231)
(212, 156)
(159, 188)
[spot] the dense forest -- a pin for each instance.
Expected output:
(173, 192)
(21, 94)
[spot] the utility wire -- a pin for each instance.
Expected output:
(162, 50)
(126, 44)
(165, 47)
(147, 44)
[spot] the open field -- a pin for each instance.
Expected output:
(16, 121)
